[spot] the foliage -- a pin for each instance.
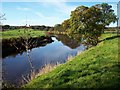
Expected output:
(34, 27)
(108, 14)
(76, 19)
(43, 27)
(66, 25)
(5, 27)
(89, 22)
(97, 67)
(85, 21)
(58, 27)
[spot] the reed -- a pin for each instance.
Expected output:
(70, 57)
(34, 74)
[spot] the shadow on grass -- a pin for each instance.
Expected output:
(109, 38)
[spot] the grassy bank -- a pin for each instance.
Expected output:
(21, 33)
(96, 67)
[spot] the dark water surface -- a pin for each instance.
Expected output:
(14, 66)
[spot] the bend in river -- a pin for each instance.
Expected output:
(14, 66)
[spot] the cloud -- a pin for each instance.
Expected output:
(40, 14)
(23, 8)
(60, 6)
(47, 20)
(64, 8)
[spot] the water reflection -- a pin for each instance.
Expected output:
(14, 66)
(70, 42)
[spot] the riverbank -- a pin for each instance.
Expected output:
(17, 41)
(18, 45)
(97, 67)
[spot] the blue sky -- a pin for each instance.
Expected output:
(42, 13)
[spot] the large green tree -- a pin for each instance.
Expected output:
(90, 21)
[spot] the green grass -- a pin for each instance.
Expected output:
(21, 33)
(104, 36)
(97, 67)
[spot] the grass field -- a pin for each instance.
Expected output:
(97, 67)
(21, 33)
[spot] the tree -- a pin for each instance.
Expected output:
(6, 27)
(58, 27)
(108, 16)
(90, 22)
(85, 21)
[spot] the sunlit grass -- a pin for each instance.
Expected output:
(21, 33)
(97, 67)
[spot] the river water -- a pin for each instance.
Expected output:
(16, 65)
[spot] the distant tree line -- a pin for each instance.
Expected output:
(8, 27)
(43, 27)
(35, 27)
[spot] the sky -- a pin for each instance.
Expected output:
(42, 13)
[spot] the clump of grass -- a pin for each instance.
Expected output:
(47, 68)
(79, 52)
(28, 78)
(33, 74)
(70, 57)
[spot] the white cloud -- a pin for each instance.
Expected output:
(23, 8)
(65, 8)
(39, 14)
(60, 6)
(47, 20)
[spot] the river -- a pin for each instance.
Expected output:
(16, 65)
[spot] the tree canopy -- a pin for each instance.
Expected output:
(108, 14)
(89, 21)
